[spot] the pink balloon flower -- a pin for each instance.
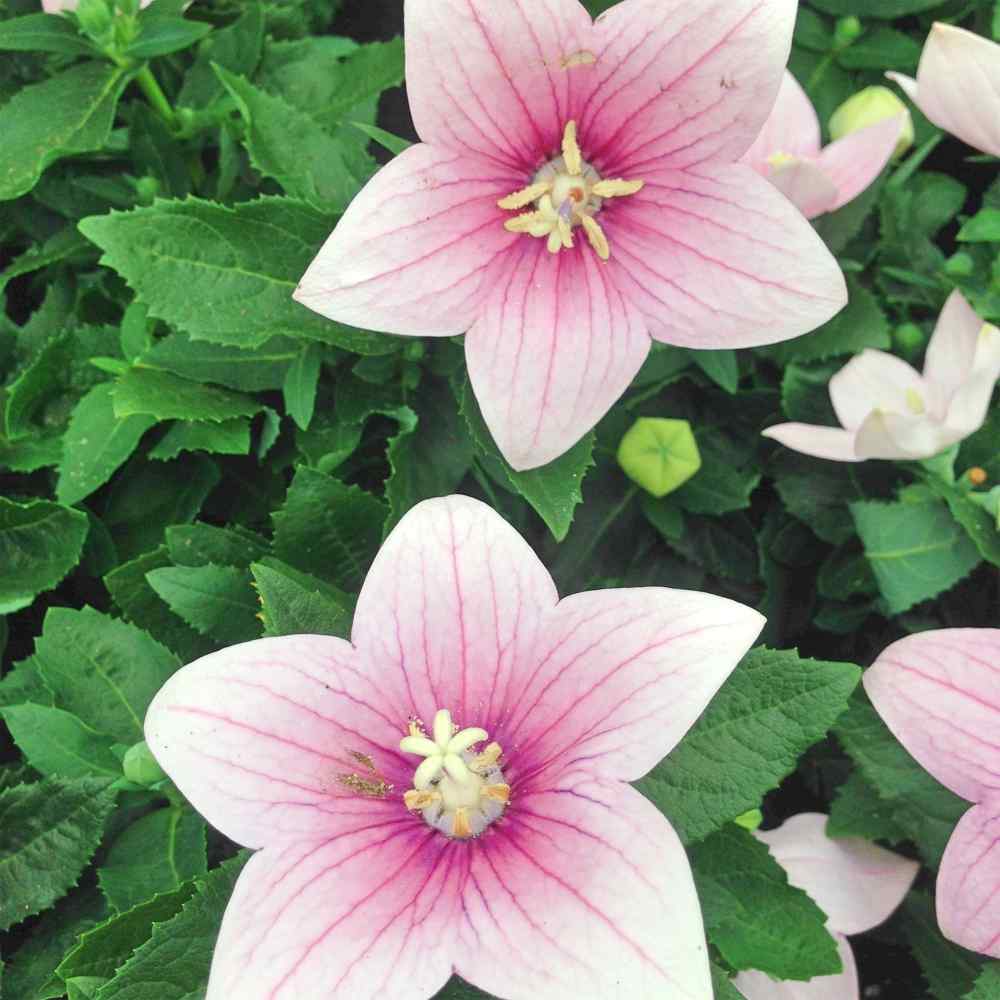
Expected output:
(576, 193)
(447, 792)
(939, 693)
(788, 153)
(958, 85)
(889, 410)
(58, 6)
(857, 885)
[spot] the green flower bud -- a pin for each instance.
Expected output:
(140, 766)
(869, 107)
(96, 18)
(909, 340)
(146, 189)
(846, 32)
(659, 455)
(414, 350)
(750, 820)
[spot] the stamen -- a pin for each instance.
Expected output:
(519, 199)
(617, 188)
(571, 150)
(499, 793)
(416, 801)
(781, 160)
(534, 223)
(488, 758)
(461, 827)
(596, 236)
(915, 402)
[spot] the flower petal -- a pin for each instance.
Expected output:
(259, 736)
(582, 893)
(792, 127)
(894, 436)
(449, 610)
(620, 677)
(683, 81)
(854, 162)
(843, 986)
(970, 404)
(497, 79)
(857, 884)
(409, 254)
(556, 345)
(939, 692)
(952, 348)
(958, 85)
(717, 258)
(968, 885)
(364, 913)
(833, 443)
(805, 185)
(874, 380)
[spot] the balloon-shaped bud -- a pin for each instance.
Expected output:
(846, 32)
(909, 340)
(869, 107)
(659, 454)
(140, 767)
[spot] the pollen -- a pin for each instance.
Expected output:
(915, 402)
(565, 194)
(780, 160)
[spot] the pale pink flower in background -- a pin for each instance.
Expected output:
(58, 6)
(577, 193)
(958, 85)
(889, 410)
(399, 847)
(939, 693)
(857, 885)
(789, 154)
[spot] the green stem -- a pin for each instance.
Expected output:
(154, 94)
(820, 71)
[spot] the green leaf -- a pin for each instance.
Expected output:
(753, 916)
(169, 397)
(166, 35)
(301, 380)
(173, 963)
(882, 49)
(199, 266)
(38, 382)
(43, 33)
(987, 983)
(884, 9)
(56, 743)
(157, 853)
(294, 603)
(96, 444)
(774, 706)
(393, 143)
(293, 148)
(40, 542)
(727, 477)
(858, 810)
(65, 245)
(916, 550)
(978, 524)
(48, 832)
(201, 544)
(216, 600)
(983, 227)
(949, 970)
(66, 115)
(458, 989)
(101, 670)
(156, 154)
(236, 47)
(722, 367)
(230, 437)
(327, 529)
(554, 491)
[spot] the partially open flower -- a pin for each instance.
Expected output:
(448, 791)
(789, 153)
(889, 410)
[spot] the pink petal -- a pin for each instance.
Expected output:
(365, 913)
(810, 439)
(854, 162)
(620, 676)
(257, 736)
(873, 380)
(968, 885)
(496, 79)
(556, 345)
(857, 884)
(958, 85)
(939, 692)
(717, 258)
(952, 348)
(680, 82)
(583, 893)
(792, 127)
(843, 986)
(449, 614)
(409, 254)
(805, 185)
(970, 404)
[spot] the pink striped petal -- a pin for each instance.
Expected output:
(873, 380)
(958, 85)
(854, 162)
(833, 443)
(805, 185)
(968, 885)
(556, 345)
(857, 884)
(496, 79)
(258, 736)
(620, 676)
(366, 913)
(583, 893)
(843, 986)
(683, 81)
(951, 352)
(939, 692)
(792, 127)
(409, 254)
(449, 613)
(717, 258)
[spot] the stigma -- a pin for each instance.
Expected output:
(459, 791)
(567, 193)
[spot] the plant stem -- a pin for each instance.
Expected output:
(154, 94)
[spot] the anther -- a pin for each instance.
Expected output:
(415, 801)
(499, 792)
(524, 197)
(596, 236)
(617, 188)
(571, 150)
(461, 828)
(488, 758)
